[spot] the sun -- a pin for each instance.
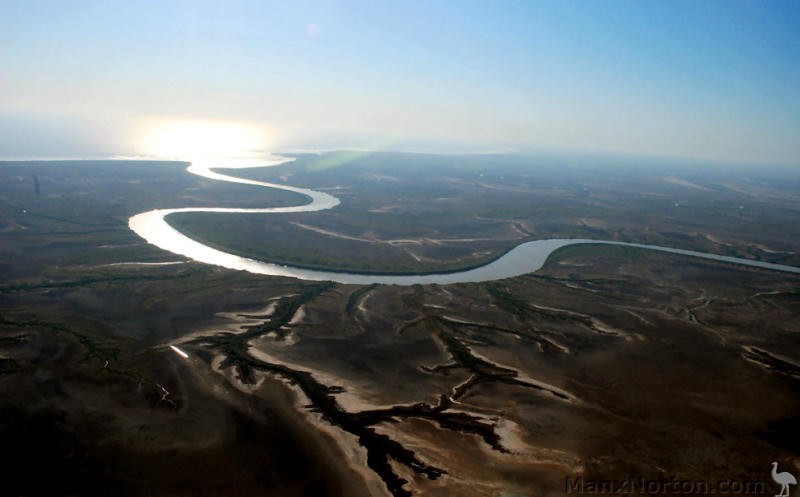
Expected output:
(205, 141)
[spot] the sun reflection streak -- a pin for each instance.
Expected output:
(179, 352)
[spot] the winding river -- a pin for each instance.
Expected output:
(524, 258)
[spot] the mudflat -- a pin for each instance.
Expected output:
(608, 363)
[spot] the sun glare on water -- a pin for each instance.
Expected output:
(206, 142)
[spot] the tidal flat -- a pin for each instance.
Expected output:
(608, 362)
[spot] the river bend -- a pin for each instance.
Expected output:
(525, 258)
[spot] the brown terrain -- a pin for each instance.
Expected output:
(608, 363)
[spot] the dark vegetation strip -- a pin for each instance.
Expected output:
(39, 233)
(12, 341)
(771, 362)
(90, 280)
(355, 298)
(462, 356)
(93, 350)
(483, 370)
(29, 212)
(509, 303)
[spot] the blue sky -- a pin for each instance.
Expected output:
(712, 80)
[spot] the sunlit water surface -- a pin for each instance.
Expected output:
(525, 258)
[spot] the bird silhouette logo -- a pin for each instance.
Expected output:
(783, 479)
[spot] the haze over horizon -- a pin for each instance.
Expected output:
(706, 80)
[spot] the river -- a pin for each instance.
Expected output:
(525, 258)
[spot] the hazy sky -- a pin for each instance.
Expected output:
(718, 80)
